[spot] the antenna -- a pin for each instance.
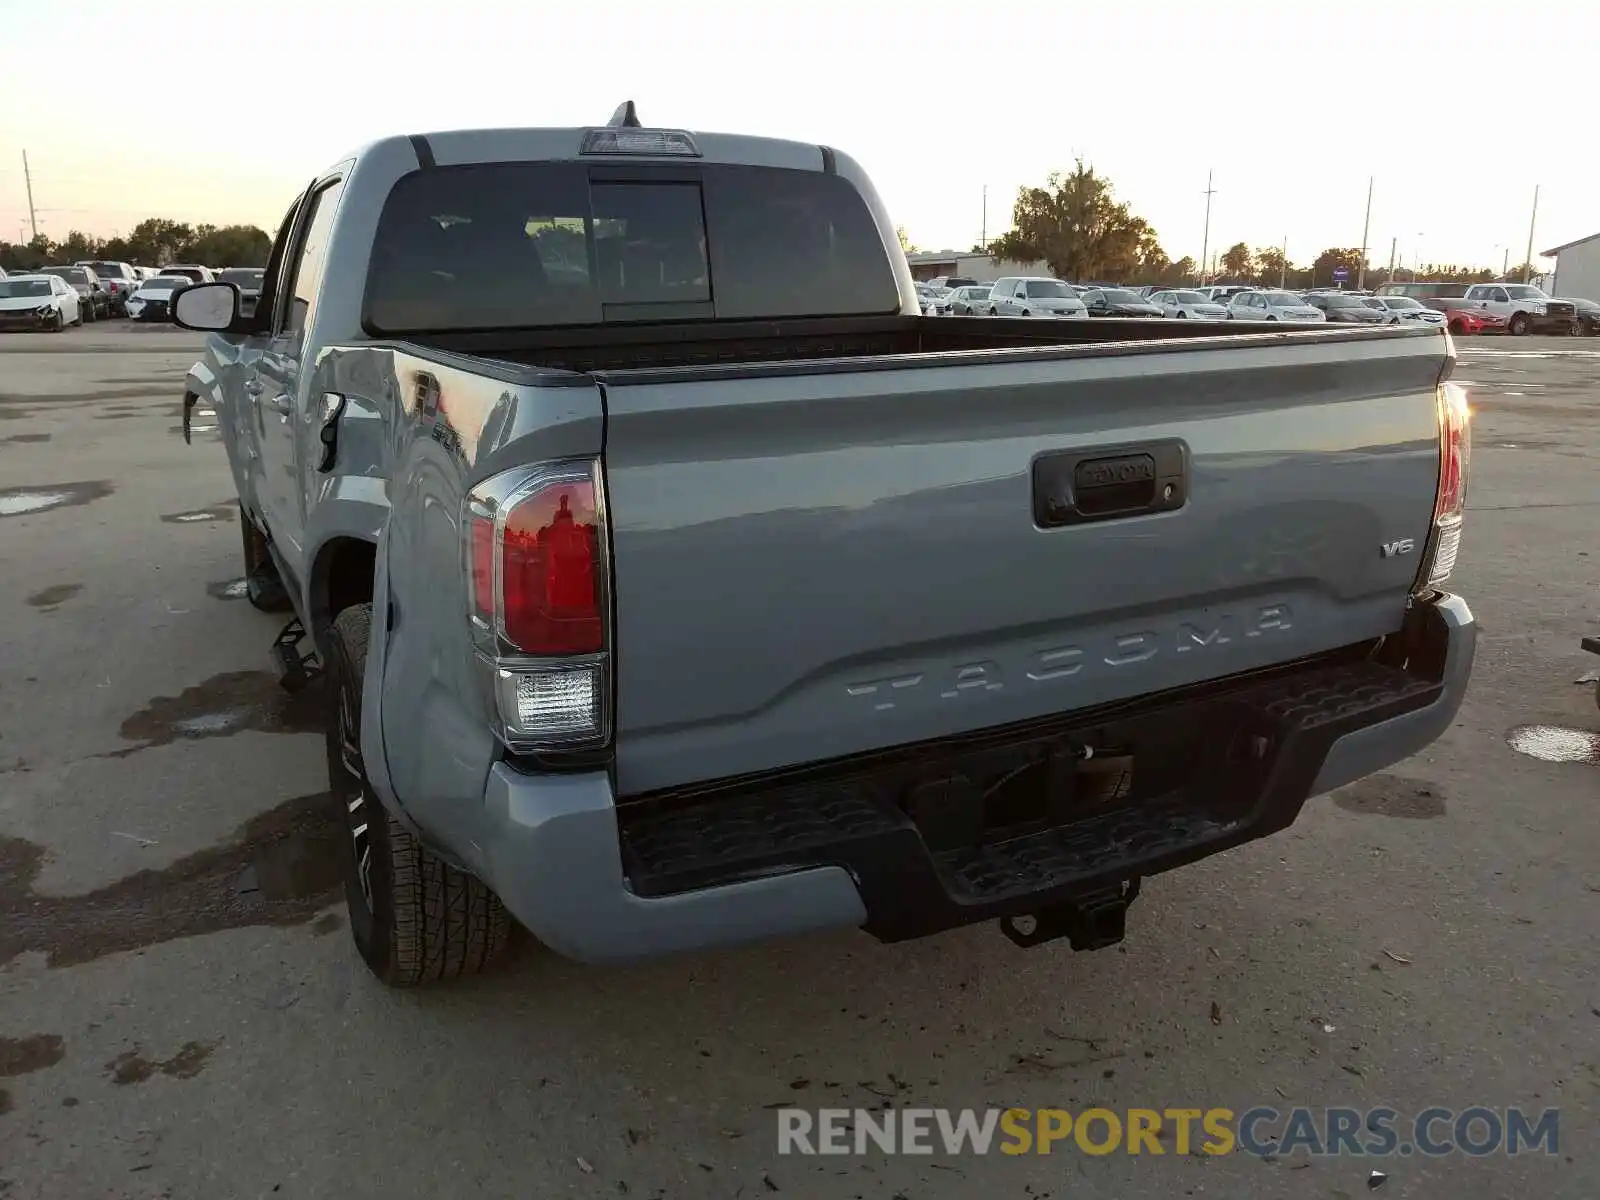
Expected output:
(626, 117)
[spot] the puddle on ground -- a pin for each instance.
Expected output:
(24, 439)
(217, 512)
(1391, 796)
(17, 502)
(21, 1056)
(133, 1067)
(222, 705)
(1553, 743)
(228, 589)
(282, 869)
(52, 596)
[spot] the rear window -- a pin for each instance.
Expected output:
(519, 245)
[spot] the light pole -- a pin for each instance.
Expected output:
(1527, 263)
(1283, 264)
(1205, 238)
(1366, 227)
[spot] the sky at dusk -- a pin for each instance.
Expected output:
(1457, 111)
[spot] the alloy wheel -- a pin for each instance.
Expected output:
(359, 809)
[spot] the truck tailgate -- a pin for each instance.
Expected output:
(817, 559)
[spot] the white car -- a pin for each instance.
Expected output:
(1038, 296)
(935, 301)
(1404, 310)
(153, 299)
(1189, 305)
(45, 302)
(1273, 305)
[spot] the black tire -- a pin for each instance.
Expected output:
(263, 586)
(994, 312)
(415, 918)
(86, 313)
(1519, 324)
(59, 322)
(1182, 316)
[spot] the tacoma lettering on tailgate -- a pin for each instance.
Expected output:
(950, 682)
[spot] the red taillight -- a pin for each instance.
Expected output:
(1455, 442)
(537, 569)
(1450, 501)
(550, 572)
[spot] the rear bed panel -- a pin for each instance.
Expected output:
(821, 563)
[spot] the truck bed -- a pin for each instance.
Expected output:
(745, 345)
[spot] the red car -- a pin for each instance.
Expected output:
(1466, 321)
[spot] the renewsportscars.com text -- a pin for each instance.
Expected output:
(1261, 1131)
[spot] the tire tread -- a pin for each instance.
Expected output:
(445, 923)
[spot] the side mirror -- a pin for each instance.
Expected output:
(206, 307)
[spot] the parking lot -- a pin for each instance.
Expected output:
(182, 1015)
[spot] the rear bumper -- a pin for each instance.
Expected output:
(598, 883)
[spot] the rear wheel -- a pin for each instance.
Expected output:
(414, 917)
(1519, 324)
(1182, 316)
(86, 313)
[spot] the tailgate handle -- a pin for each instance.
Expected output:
(1073, 487)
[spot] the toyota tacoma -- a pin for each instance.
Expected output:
(675, 583)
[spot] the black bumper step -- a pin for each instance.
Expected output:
(1266, 741)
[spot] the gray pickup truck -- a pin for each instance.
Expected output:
(675, 583)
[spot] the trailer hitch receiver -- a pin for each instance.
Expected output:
(1089, 921)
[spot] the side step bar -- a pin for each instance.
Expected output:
(295, 669)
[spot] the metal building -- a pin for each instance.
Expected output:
(1577, 270)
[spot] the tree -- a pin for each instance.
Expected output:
(905, 240)
(1272, 269)
(153, 243)
(1331, 260)
(1520, 274)
(1237, 262)
(1075, 224)
(1180, 272)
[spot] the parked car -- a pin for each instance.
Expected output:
(95, 299)
(935, 300)
(45, 302)
(951, 282)
(1345, 309)
(1034, 296)
(1463, 322)
(1272, 305)
(119, 280)
(1400, 310)
(1526, 308)
(1119, 302)
(1221, 293)
(191, 272)
(636, 627)
(1588, 314)
(970, 300)
(1431, 293)
(1188, 304)
(152, 301)
(248, 281)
